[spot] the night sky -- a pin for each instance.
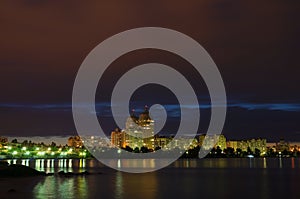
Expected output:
(255, 45)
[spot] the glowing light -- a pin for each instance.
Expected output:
(41, 153)
(24, 148)
(15, 152)
(82, 154)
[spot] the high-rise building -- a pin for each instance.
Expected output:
(252, 144)
(139, 132)
(282, 146)
(209, 141)
(147, 127)
(75, 141)
(119, 138)
(3, 140)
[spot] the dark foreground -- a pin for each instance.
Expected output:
(219, 178)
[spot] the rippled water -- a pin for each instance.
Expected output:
(211, 178)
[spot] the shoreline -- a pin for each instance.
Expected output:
(182, 158)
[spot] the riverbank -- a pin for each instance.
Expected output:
(17, 170)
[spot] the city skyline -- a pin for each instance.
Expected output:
(149, 99)
(74, 146)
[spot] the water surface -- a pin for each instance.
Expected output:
(209, 178)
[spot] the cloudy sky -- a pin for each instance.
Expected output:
(255, 45)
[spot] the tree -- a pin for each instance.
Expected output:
(212, 152)
(239, 152)
(229, 151)
(128, 148)
(15, 141)
(136, 150)
(285, 152)
(157, 148)
(249, 151)
(219, 151)
(257, 152)
(144, 149)
(25, 143)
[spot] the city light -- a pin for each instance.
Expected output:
(41, 153)
(222, 148)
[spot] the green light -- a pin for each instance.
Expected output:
(15, 153)
(24, 148)
(41, 153)
(82, 154)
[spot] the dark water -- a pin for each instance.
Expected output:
(205, 178)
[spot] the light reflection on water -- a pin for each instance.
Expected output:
(181, 179)
(55, 187)
(119, 185)
(239, 163)
(80, 165)
(54, 165)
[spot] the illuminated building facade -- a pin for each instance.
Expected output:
(212, 140)
(232, 144)
(3, 140)
(75, 141)
(139, 132)
(282, 146)
(252, 144)
(119, 138)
